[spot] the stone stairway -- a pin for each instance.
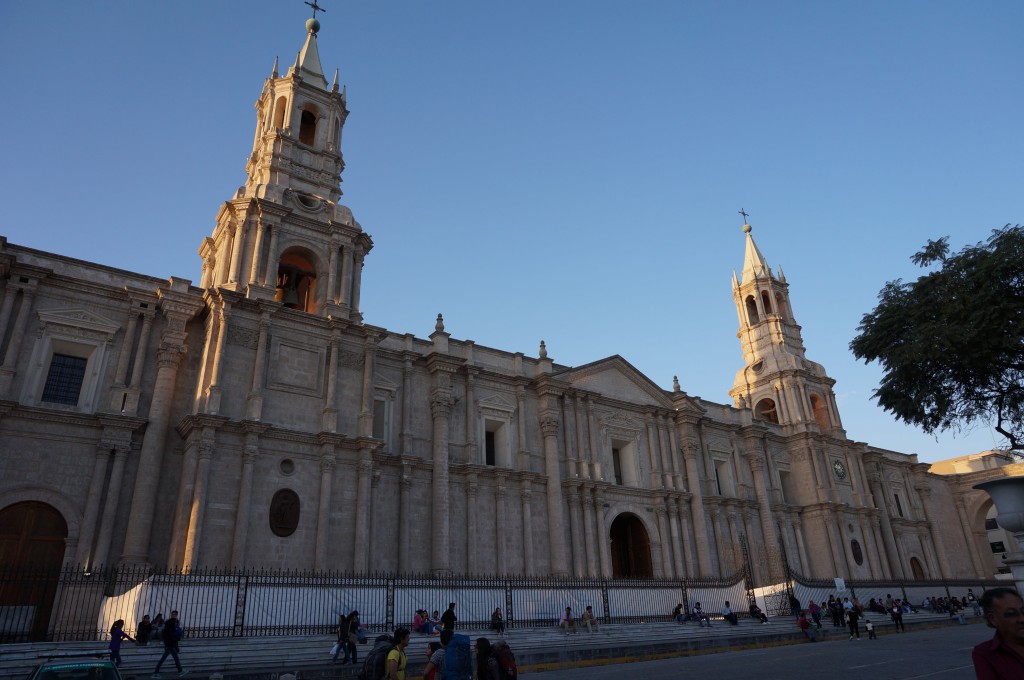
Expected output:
(536, 649)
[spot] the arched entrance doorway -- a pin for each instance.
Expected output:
(916, 569)
(631, 548)
(32, 538)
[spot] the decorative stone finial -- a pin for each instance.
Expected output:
(334, 87)
(543, 353)
(747, 228)
(313, 26)
(675, 384)
(439, 326)
(273, 73)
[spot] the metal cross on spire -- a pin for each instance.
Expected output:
(316, 8)
(742, 211)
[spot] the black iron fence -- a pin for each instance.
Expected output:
(73, 604)
(911, 591)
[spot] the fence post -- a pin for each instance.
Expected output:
(389, 607)
(509, 614)
(240, 596)
(604, 601)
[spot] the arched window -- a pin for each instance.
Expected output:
(296, 280)
(279, 110)
(765, 410)
(820, 411)
(916, 569)
(752, 315)
(337, 133)
(780, 305)
(307, 128)
(766, 302)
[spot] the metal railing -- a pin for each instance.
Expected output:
(73, 604)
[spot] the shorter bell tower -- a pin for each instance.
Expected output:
(778, 383)
(284, 236)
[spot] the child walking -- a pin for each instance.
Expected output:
(116, 635)
(870, 628)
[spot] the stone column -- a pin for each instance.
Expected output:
(700, 526)
(406, 406)
(270, 275)
(347, 264)
(869, 549)
(756, 565)
(500, 522)
(254, 403)
(686, 529)
(876, 535)
(556, 523)
(147, 476)
(653, 453)
(357, 277)
(663, 441)
(665, 539)
(526, 498)
(140, 354)
(366, 409)
(126, 349)
(10, 293)
(734, 532)
(236, 252)
(440, 409)
(405, 562)
(361, 551)
(575, 529)
(589, 536)
(11, 358)
(329, 412)
(969, 542)
(603, 550)
(472, 527)
(213, 392)
(321, 560)
(522, 461)
(197, 518)
(892, 553)
(582, 468)
(111, 509)
(722, 544)
(925, 492)
(834, 540)
(332, 274)
(471, 450)
(676, 539)
(595, 447)
(241, 533)
(85, 556)
(183, 504)
(257, 251)
(755, 458)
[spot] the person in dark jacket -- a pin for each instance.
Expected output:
(171, 634)
(448, 619)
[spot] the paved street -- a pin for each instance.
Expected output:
(940, 654)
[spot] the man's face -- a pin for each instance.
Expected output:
(1007, 617)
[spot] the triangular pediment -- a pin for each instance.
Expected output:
(77, 317)
(616, 378)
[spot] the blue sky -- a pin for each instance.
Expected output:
(568, 171)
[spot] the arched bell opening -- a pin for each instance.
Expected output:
(33, 537)
(296, 280)
(820, 411)
(630, 548)
(917, 569)
(765, 410)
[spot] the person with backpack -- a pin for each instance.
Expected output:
(458, 658)
(376, 665)
(171, 633)
(502, 653)
(353, 636)
(436, 662)
(486, 664)
(342, 644)
(396, 659)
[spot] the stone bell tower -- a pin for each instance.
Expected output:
(777, 381)
(284, 236)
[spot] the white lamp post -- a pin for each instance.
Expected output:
(1008, 496)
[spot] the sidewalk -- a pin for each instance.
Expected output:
(536, 649)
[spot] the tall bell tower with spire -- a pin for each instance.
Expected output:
(284, 236)
(777, 381)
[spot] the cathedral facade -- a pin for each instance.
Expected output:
(255, 420)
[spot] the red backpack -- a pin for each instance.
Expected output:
(506, 661)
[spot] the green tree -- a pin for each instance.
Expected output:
(951, 343)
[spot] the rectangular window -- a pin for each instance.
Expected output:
(617, 466)
(490, 448)
(64, 381)
(997, 546)
(899, 506)
(990, 524)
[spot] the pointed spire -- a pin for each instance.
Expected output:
(334, 87)
(273, 74)
(754, 264)
(308, 63)
(782, 276)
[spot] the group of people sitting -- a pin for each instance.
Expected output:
(426, 624)
(681, 615)
(567, 622)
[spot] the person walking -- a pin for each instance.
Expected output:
(486, 664)
(116, 635)
(170, 635)
(342, 644)
(852, 616)
(396, 660)
(448, 619)
(353, 636)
